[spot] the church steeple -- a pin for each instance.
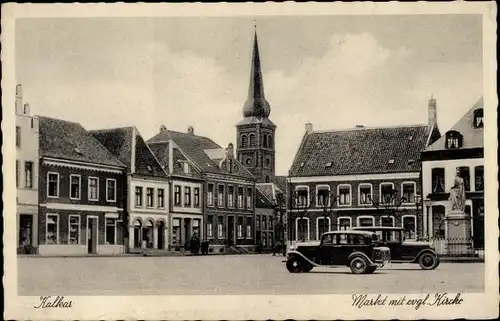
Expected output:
(256, 104)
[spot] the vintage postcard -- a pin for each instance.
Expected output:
(250, 161)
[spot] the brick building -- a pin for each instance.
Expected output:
(460, 149)
(81, 192)
(26, 175)
(147, 203)
(358, 177)
(229, 189)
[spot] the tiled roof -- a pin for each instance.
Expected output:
(472, 137)
(161, 151)
(268, 192)
(361, 151)
(280, 182)
(68, 140)
(120, 142)
(261, 200)
(195, 147)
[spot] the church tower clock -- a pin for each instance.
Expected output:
(256, 132)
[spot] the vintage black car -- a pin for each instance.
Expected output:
(354, 249)
(404, 251)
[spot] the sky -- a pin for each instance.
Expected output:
(333, 71)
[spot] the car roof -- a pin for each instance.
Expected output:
(350, 232)
(370, 228)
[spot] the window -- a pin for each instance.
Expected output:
(196, 227)
(270, 141)
(268, 162)
(52, 229)
(264, 239)
(110, 231)
(323, 195)
(479, 178)
(111, 190)
(210, 228)
(53, 184)
(210, 195)
(408, 189)
(366, 221)
(187, 196)
(17, 173)
(240, 197)
(177, 195)
(302, 229)
(28, 174)
(93, 188)
(344, 223)
(74, 187)
(257, 221)
(239, 232)
(249, 228)
(252, 140)
(230, 196)
(302, 196)
(438, 180)
(264, 222)
(438, 221)
(465, 174)
(270, 222)
(150, 192)
(161, 198)
(244, 141)
(386, 193)
(323, 226)
(409, 223)
(186, 168)
(74, 229)
(264, 142)
(196, 197)
(365, 194)
(478, 118)
(344, 193)
(453, 139)
(220, 197)
(138, 196)
(18, 136)
(220, 227)
(249, 197)
(387, 221)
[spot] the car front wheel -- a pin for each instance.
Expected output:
(295, 265)
(358, 265)
(428, 261)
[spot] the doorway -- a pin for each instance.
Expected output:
(161, 235)
(25, 230)
(187, 229)
(230, 230)
(92, 234)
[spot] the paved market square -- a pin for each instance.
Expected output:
(231, 274)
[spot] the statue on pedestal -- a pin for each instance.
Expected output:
(457, 194)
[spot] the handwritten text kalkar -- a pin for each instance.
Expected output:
(439, 299)
(50, 302)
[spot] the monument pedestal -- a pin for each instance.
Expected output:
(458, 239)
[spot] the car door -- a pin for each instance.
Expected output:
(326, 249)
(344, 246)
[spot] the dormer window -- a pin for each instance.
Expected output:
(186, 168)
(391, 161)
(453, 139)
(149, 168)
(328, 165)
(478, 118)
(78, 151)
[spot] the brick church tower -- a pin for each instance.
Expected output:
(256, 132)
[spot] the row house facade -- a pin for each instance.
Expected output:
(81, 188)
(27, 131)
(358, 177)
(228, 189)
(147, 188)
(268, 218)
(461, 149)
(186, 197)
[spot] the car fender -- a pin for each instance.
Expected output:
(361, 254)
(296, 253)
(417, 257)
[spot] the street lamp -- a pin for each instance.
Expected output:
(279, 205)
(427, 204)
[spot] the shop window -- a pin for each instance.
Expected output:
(410, 226)
(52, 229)
(110, 231)
(74, 229)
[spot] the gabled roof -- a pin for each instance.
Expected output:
(361, 151)
(162, 150)
(472, 137)
(127, 144)
(268, 192)
(199, 150)
(70, 141)
(280, 182)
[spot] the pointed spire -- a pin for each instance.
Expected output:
(256, 104)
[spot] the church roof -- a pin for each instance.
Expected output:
(472, 137)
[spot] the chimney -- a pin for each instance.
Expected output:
(309, 128)
(190, 130)
(432, 112)
(19, 100)
(360, 126)
(230, 151)
(163, 128)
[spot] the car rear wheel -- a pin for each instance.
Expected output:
(428, 261)
(308, 268)
(358, 265)
(371, 269)
(295, 265)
